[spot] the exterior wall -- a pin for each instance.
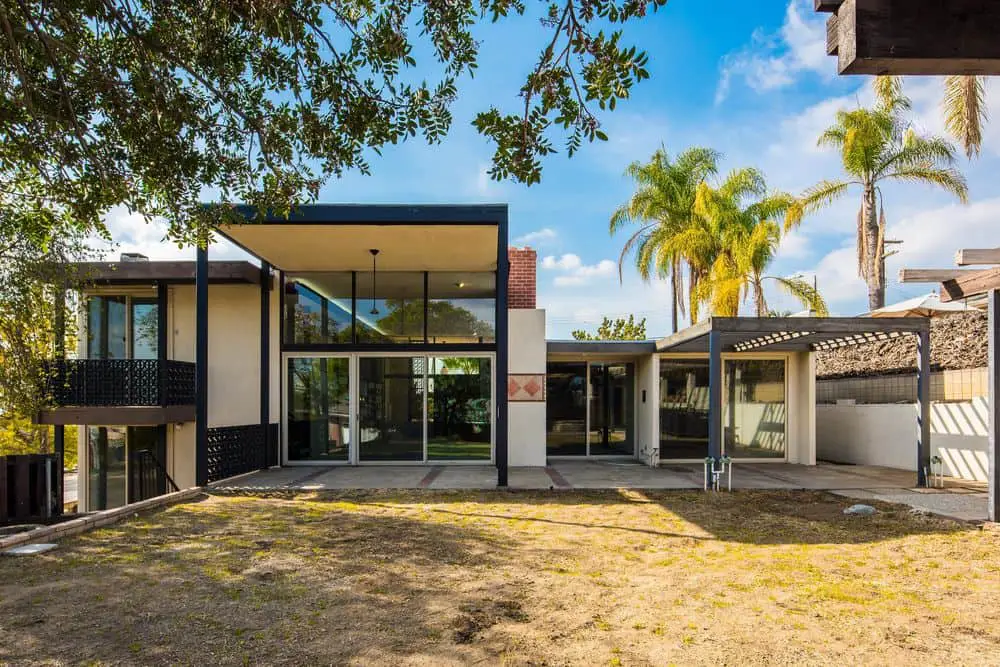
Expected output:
(647, 376)
(886, 435)
(526, 418)
(800, 374)
(521, 279)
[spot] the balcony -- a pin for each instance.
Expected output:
(119, 391)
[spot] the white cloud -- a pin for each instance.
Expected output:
(573, 272)
(538, 238)
(774, 61)
(131, 233)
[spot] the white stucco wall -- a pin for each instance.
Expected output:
(886, 435)
(801, 407)
(647, 376)
(526, 420)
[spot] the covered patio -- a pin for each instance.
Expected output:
(719, 335)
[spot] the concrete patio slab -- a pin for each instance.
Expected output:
(972, 507)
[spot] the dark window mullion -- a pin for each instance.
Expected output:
(426, 305)
(354, 306)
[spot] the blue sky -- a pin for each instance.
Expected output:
(749, 79)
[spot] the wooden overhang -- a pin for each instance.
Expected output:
(971, 284)
(789, 334)
(117, 415)
(902, 37)
(152, 272)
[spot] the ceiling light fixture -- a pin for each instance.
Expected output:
(374, 252)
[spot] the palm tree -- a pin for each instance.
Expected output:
(740, 236)
(875, 147)
(663, 205)
(964, 106)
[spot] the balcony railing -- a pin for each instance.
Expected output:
(119, 382)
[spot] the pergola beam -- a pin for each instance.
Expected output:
(973, 256)
(972, 284)
(904, 37)
(933, 275)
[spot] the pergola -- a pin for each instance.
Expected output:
(802, 334)
(976, 284)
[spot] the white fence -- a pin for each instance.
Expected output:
(886, 435)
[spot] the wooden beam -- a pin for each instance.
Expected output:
(134, 273)
(932, 275)
(119, 416)
(905, 37)
(824, 6)
(971, 256)
(975, 283)
(832, 36)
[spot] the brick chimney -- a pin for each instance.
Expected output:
(521, 281)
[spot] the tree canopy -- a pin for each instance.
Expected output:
(616, 329)
(152, 105)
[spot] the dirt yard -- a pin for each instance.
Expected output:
(437, 578)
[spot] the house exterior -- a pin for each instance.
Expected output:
(405, 335)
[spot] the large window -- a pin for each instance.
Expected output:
(683, 409)
(318, 409)
(566, 408)
(391, 408)
(107, 327)
(461, 307)
(318, 308)
(390, 308)
(754, 408)
(458, 406)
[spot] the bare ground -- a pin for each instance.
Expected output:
(447, 578)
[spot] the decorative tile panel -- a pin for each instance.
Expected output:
(526, 387)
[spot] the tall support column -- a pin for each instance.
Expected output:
(59, 431)
(715, 394)
(994, 397)
(201, 366)
(502, 337)
(265, 357)
(923, 406)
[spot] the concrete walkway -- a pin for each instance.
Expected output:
(962, 500)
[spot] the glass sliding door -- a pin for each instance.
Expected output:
(612, 409)
(683, 408)
(144, 338)
(391, 393)
(459, 409)
(566, 409)
(106, 467)
(107, 325)
(754, 408)
(147, 457)
(318, 411)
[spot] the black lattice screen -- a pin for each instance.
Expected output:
(120, 382)
(235, 450)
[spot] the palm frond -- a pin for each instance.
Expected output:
(965, 111)
(822, 194)
(948, 179)
(804, 292)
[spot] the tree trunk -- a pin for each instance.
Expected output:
(758, 293)
(675, 295)
(871, 256)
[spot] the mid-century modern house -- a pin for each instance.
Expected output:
(374, 335)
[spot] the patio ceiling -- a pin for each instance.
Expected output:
(789, 334)
(409, 238)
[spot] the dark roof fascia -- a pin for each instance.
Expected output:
(381, 214)
(625, 347)
(153, 272)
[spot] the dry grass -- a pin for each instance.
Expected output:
(437, 578)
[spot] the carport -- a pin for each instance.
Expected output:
(801, 334)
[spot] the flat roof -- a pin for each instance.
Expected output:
(172, 272)
(620, 347)
(339, 237)
(748, 334)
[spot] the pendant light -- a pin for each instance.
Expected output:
(374, 252)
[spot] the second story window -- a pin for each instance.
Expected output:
(122, 327)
